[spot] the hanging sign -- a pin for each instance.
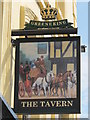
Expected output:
(47, 75)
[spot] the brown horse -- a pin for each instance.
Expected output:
(55, 85)
(65, 78)
(61, 82)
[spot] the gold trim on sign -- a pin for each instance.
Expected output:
(51, 49)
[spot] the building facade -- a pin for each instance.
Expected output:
(14, 16)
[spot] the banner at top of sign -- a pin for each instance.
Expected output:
(48, 24)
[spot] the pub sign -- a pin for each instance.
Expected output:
(47, 75)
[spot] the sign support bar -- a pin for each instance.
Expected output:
(53, 31)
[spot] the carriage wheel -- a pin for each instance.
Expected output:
(28, 87)
(21, 89)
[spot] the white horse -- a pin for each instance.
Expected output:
(74, 78)
(72, 85)
(44, 83)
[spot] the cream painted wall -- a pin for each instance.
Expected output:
(0, 39)
(15, 18)
(69, 10)
(52, 3)
(34, 7)
(16, 11)
(5, 65)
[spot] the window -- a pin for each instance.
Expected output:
(42, 48)
(58, 45)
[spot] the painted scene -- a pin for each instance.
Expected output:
(48, 70)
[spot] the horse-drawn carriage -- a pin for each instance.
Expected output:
(37, 78)
(28, 76)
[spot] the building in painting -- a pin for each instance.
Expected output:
(63, 56)
(14, 15)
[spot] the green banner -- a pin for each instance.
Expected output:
(48, 24)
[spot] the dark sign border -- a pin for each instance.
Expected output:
(47, 110)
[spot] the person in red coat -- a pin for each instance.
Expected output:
(27, 82)
(42, 65)
(21, 72)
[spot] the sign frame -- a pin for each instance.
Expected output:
(74, 109)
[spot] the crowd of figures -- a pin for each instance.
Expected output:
(25, 69)
(28, 73)
(34, 80)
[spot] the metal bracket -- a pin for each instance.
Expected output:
(13, 42)
(83, 48)
(21, 32)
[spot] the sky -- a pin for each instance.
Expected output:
(82, 23)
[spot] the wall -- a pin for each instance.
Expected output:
(5, 48)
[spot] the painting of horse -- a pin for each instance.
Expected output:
(41, 76)
(66, 83)
(44, 83)
(72, 82)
